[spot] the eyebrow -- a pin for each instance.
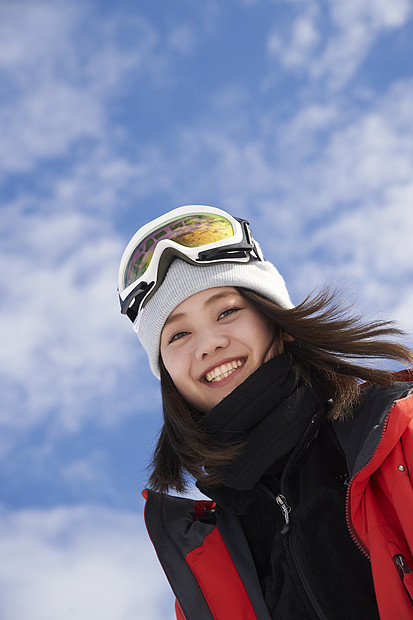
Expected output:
(208, 302)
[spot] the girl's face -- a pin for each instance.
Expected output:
(212, 342)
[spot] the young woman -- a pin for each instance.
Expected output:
(308, 470)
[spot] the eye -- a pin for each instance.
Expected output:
(227, 312)
(177, 336)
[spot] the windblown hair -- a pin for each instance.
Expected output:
(328, 345)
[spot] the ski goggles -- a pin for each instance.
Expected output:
(197, 234)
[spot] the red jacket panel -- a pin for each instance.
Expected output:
(227, 598)
(380, 505)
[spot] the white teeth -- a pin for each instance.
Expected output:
(220, 372)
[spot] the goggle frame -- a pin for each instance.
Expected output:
(240, 248)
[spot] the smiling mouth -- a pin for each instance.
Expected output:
(221, 372)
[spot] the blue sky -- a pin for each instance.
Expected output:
(296, 114)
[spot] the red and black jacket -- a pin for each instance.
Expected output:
(206, 557)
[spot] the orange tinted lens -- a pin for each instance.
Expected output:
(191, 231)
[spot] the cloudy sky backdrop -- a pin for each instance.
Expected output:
(296, 114)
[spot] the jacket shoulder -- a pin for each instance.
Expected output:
(360, 434)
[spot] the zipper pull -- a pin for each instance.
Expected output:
(286, 509)
(405, 574)
(402, 567)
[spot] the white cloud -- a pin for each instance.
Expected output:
(333, 45)
(370, 247)
(84, 562)
(299, 138)
(45, 124)
(358, 25)
(182, 39)
(375, 14)
(24, 21)
(103, 183)
(64, 344)
(403, 312)
(45, 111)
(304, 37)
(367, 154)
(88, 471)
(230, 99)
(60, 83)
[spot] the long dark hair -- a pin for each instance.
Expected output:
(327, 342)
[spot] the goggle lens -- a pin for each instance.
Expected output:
(191, 231)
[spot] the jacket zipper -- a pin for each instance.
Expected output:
(285, 509)
(280, 499)
(282, 502)
(305, 584)
(356, 539)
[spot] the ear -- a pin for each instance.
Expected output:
(287, 338)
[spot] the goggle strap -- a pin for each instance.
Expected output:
(223, 253)
(132, 313)
(138, 296)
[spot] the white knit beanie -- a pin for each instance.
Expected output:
(183, 280)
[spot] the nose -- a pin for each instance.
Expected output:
(209, 341)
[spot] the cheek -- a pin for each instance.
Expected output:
(175, 365)
(264, 336)
(167, 362)
(167, 353)
(262, 330)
